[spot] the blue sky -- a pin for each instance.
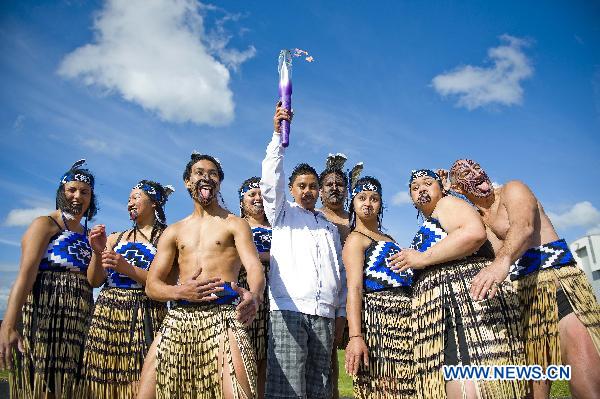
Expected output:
(135, 86)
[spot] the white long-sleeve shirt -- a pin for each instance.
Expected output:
(306, 272)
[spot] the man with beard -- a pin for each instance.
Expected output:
(307, 282)
(204, 350)
(560, 315)
(333, 184)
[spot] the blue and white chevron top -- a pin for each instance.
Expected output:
(377, 276)
(429, 234)
(67, 251)
(554, 255)
(262, 238)
(138, 254)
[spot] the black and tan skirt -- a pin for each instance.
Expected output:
(187, 357)
(450, 328)
(539, 314)
(386, 326)
(56, 316)
(257, 331)
(123, 326)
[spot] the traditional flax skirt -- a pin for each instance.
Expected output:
(387, 332)
(188, 353)
(122, 328)
(537, 294)
(257, 331)
(450, 328)
(56, 316)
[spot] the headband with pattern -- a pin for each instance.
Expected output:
(75, 174)
(155, 194)
(415, 174)
(247, 187)
(367, 186)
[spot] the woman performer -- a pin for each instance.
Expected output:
(449, 327)
(52, 295)
(380, 298)
(125, 320)
(251, 209)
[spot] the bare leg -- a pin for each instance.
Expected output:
(261, 378)
(147, 389)
(454, 389)
(229, 386)
(541, 389)
(335, 372)
(579, 352)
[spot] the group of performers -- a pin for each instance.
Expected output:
(221, 306)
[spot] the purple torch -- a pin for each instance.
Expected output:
(285, 91)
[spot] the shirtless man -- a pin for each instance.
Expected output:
(559, 309)
(204, 350)
(333, 190)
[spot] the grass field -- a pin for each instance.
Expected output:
(560, 389)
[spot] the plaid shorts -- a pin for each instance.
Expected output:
(299, 356)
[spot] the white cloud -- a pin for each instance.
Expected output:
(18, 123)
(23, 217)
(498, 83)
(401, 198)
(11, 243)
(158, 55)
(100, 146)
(594, 230)
(582, 214)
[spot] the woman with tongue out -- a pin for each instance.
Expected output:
(125, 320)
(449, 327)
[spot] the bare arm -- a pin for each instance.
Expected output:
(157, 287)
(244, 244)
(33, 245)
(95, 272)
(521, 207)
(466, 234)
(354, 257)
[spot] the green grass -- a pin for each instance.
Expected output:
(560, 389)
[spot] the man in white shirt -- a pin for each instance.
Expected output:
(307, 281)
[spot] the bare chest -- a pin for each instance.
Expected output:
(496, 219)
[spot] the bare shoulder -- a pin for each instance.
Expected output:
(236, 223)
(515, 190)
(450, 202)
(171, 232)
(44, 225)
(356, 241)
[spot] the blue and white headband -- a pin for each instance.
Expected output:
(247, 187)
(154, 194)
(75, 174)
(368, 186)
(415, 174)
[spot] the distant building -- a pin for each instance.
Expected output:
(587, 252)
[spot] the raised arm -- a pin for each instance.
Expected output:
(521, 207)
(33, 245)
(354, 257)
(272, 182)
